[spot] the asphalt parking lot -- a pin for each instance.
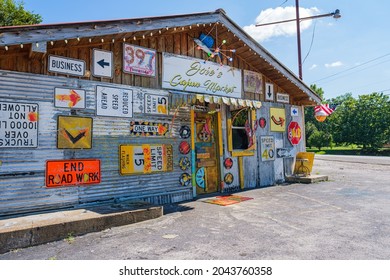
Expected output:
(347, 218)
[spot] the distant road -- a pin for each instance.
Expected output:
(355, 159)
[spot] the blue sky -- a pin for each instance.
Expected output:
(351, 54)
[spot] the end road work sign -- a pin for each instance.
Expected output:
(72, 172)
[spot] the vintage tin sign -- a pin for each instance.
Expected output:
(145, 159)
(66, 65)
(278, 119)
(148, 128)
(196, 75)
(294, 133)
(139, 60)
(74, 132)
(114, 102)
(267, 148)
(18, 125)
(69, 98)
(146, 102)
(72, 172)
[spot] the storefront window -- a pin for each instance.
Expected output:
(239, 134)
(241, 139)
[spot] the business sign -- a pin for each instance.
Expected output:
(148, 101)
(196, 75)
(102, 63)
(294, 133)
(69, 98)
(74, 132)
(278, 119)
(269, 92)
(114, 102)
(18, 125)
(139, 60)
(72, 172)
(145, 159)
(148, 128)
(267, 148)
(282, 98)
(66, 65)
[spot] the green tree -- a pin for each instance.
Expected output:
(320, 139)
(364, 121)
(13, 13)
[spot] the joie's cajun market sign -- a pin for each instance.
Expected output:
(196, 75)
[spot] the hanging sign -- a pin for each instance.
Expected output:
(269, 92)
(114, 102)
(282, 98)
(18, 125)
(253, 82)
(278, 119)
(285, 153)
(148, 101)
(196, 75)
(267, 148)
(294, 133)
(148, 128)
(139, 61)
(102, 61)
(145, 159)
(69, 98)
(74, 132)
(66, 65)
(72, 172)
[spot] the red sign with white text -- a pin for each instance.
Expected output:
(72, 172)
(294, 133)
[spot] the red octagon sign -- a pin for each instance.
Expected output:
(294, 133)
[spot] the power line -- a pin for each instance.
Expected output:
(280, 5)
(349, 69)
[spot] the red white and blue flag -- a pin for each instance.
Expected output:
(323, 110)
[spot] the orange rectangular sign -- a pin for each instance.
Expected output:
(72, 172)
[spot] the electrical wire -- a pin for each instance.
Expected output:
(280, 5)
(349, 69)
(311, 44)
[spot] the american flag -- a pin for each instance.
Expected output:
(323, 110)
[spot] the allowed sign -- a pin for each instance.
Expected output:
(72, 172)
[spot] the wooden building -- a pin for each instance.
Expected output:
(159, 109)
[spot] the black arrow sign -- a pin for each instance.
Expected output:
(102, 63)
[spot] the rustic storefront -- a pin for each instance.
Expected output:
(157, 109)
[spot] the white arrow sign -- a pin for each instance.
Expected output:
(102, 63)
(285, 153)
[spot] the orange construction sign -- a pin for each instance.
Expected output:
(72, 172)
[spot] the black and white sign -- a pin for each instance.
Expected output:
(285, 153)
(18, 125)
(102, 63)
(269, 92)
(66, 65)
(114, 102)
(282, 98)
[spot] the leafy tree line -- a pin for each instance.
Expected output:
(13, 13)
(363, 121)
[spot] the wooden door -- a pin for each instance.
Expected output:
(206, 153)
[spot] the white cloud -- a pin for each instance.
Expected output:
(262, 33)
(313, 66)
(334, 64)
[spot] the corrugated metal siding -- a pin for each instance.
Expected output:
(22, 173)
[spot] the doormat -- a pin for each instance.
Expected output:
(227, 200)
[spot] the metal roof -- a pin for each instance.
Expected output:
(84, 33)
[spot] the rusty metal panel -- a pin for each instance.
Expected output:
(22, 171)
